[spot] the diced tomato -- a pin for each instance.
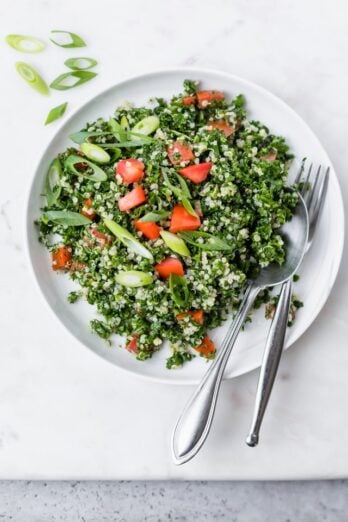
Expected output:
(150, 229)
(205, 98)
(87, 209)
(207, 347)
(197, 173)
(182, 220)
(170, 265)
(197, 315)
(61, 258)
(131, 170)
(222, 126)
(132, 346)
(179, 152)
(132, 199)
(77, 266)
(101, 238)
(188, 100)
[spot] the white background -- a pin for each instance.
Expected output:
(64, 413)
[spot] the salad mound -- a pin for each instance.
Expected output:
(161, 213)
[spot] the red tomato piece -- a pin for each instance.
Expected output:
(170, 265)
(132, 346)
(188, 100)
(182, 220)
(87, 209)
(207, 347)
(271, 156)
(204, 98)
(132, 199)
(179, 152)
(197, 315)
(150, 229)
(197, 173)
(222, 126)
(61, 258)
(131, 170)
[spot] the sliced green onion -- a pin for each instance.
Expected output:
(128, 239)
(24, 43)
(98, 173)
(187, 205)
(124, 123)
(175, 243)
(179, 290)
(147, 125)
(182, 192)
(75, 39)
(124, 144)
(81, 136)
(154, 216)
(95, 153)
(211, 242)
(32, 77)
(133, 278)
(66, 217)
(52, 183)
(117, 130)
(56, 113)
(72, 79)
(80, 64)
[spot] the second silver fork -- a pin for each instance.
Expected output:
(275, 341)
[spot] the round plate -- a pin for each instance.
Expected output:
(318, 271)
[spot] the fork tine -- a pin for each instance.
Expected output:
(299, 174)
(313, 190)
(319, 201)
(305, 189)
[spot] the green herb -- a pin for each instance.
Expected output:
(52, 184)
(212, 242)
(154, 216)
(32, 77)
(178, 290)
(74, 296)
(63, 81)
(75, 39)
(101, 328)
(56, 113)
(95, 153)
(128, 239)
(80, 64)
(66, 217)
(175, 243)
(25, 44)
(98, 173)
(177, 359)
(133, 278)
(295, 278)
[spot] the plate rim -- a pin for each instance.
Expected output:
(204, 71)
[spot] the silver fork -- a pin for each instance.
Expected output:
(314, 200)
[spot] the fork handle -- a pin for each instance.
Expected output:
(270, 361)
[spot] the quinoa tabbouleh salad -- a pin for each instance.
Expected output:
(161, 213)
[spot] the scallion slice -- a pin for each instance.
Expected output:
(80, 64)
(175, 243)
(52, 184)
(56, 113)
(98, 173)
(95, 153)
(73, 40)
(128, 239)
(72, 79)
(133, 278)
(24, 43)
(32, 77)
(147, 125)
(179, 290)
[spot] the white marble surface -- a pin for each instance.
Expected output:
(64, 413)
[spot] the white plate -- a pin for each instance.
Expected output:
(319, 268)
